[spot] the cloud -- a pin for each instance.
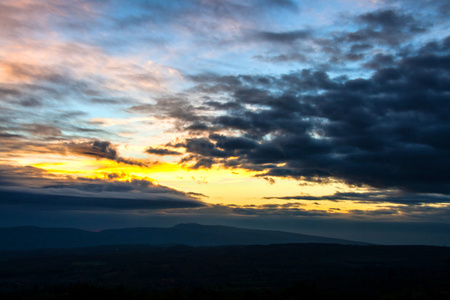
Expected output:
(389, 27)
(279, 211)
(374, 197)
(197, 195)
(282, 37)
(369, 105)
(100, 149)
(298, 211)
(24, 176)
(358, 37)
(210, 23)
(161, 151)
(43, 130)
(21, 145)
(291, 57)
(40, 201)
(386, 130)
(29, 187)
(293, 209)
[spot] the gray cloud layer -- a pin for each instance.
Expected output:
(373, 197)
(33, 188)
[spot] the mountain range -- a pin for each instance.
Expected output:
(30, 237)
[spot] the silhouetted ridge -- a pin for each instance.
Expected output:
(191, 234)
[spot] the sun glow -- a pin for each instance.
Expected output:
(217, 185)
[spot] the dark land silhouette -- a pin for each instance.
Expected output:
(28, 237)
(276, 271)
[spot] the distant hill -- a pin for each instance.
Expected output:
(29, 237)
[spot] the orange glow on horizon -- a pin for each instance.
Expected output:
(220, 185)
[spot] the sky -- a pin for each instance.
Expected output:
(319, 117)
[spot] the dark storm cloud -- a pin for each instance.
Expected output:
(161, 151)
(386, 18)
(233, 143)
(387, 130)
(385, 26)
(380, 61)
(99, 149)
(204, 147)
(203, 163)
(197, 126)
(360, 47)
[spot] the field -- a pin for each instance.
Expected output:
(289, 271)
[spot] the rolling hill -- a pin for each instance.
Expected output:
(28, 237)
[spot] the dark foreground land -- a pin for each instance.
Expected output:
(289, 271)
